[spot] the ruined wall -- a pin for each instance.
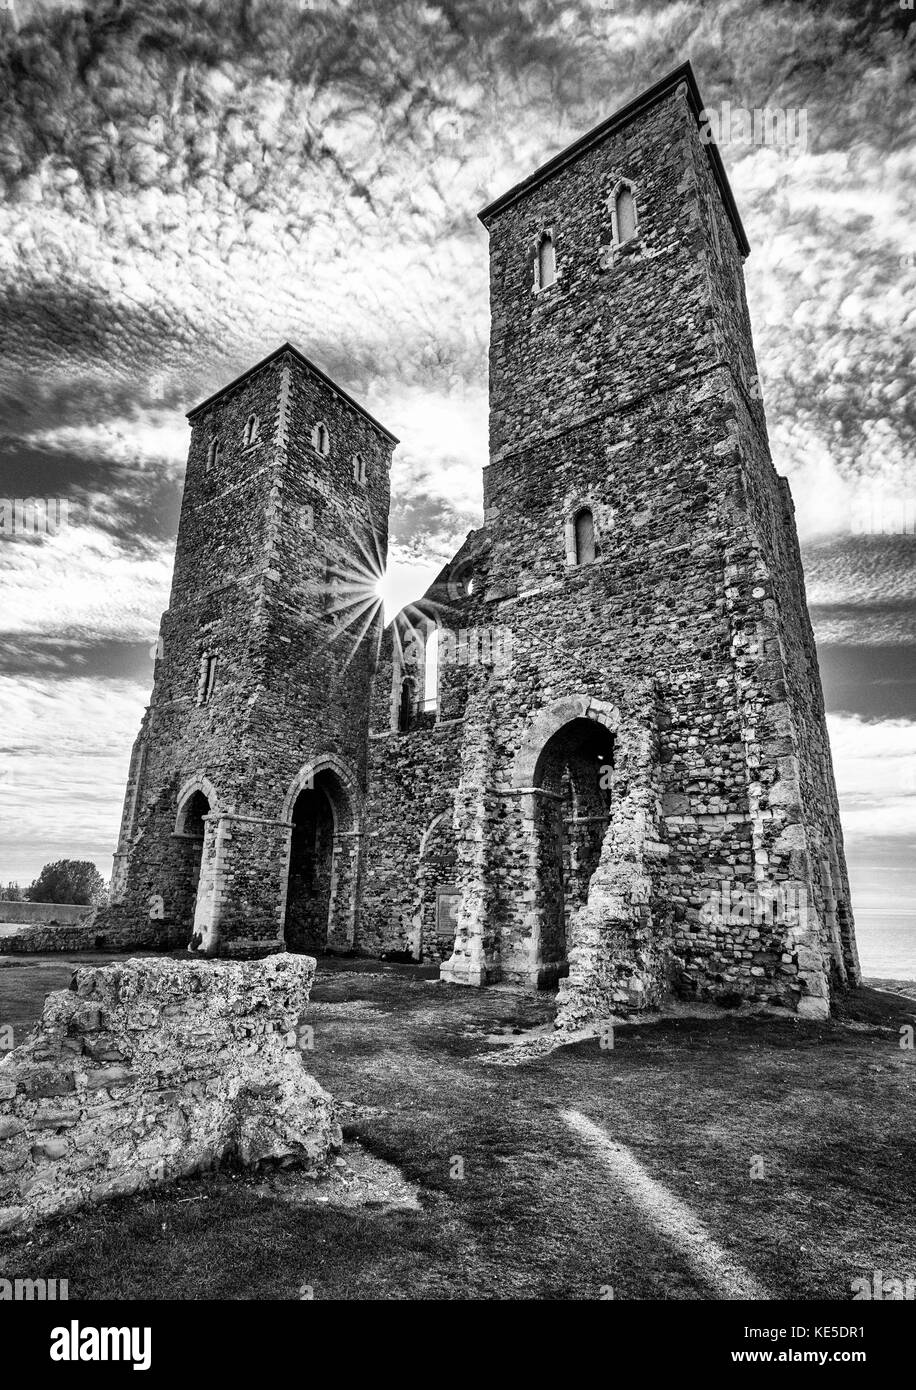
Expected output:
(152, 1069)
(414, 773)
(46, 913)
(412, 777)
(116, 935)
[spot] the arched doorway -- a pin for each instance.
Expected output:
(438, 893)
(323, 861)
(189, 842)
(572, 787)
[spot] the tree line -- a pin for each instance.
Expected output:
(65, 881)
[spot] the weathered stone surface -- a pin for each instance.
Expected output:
(45, 914)
(225, 1035)
(103, 929)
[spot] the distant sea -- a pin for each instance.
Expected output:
(887, 943)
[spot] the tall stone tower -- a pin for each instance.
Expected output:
(641, 800)
(242, 813)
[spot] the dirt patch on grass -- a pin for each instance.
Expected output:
(356, 1179)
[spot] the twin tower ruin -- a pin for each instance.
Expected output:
(594, 755)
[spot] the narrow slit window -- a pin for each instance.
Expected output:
(213, 454)
(321, 439)
(431, 671)
(585, 537)
(252, 430)
(625, 209)
(405, 705)
(547, 262)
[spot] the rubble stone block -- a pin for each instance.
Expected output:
(258, 1102)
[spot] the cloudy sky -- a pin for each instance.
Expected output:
(185, 185)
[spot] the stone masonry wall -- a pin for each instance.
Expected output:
(57, 914)
(152, 1069)
(115, 935)
(413, 774)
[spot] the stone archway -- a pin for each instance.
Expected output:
(438, 891)
(323, 809)
(562, 775)
(571, 810)
(197, 803)
(548, 721)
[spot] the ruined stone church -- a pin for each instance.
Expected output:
(594, 755)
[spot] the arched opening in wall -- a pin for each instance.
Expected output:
(431, 672)
(320, 888)
(584, 527)
(188, 840)
(406, 704)
(438, 893)
(547, 262)
(624, 215)
(572, 810)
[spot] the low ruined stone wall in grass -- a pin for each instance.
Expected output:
(153, 1069)
(143, 936)
(44, 914)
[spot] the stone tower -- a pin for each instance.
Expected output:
(241, 819)
(637, 798)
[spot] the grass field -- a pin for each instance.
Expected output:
(781, 1148)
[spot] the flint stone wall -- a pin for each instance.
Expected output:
(153, 1069)
(30, 914)
(111, 932)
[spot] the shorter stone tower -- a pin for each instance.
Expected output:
(243, 808)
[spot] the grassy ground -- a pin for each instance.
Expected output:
(697, 1102)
